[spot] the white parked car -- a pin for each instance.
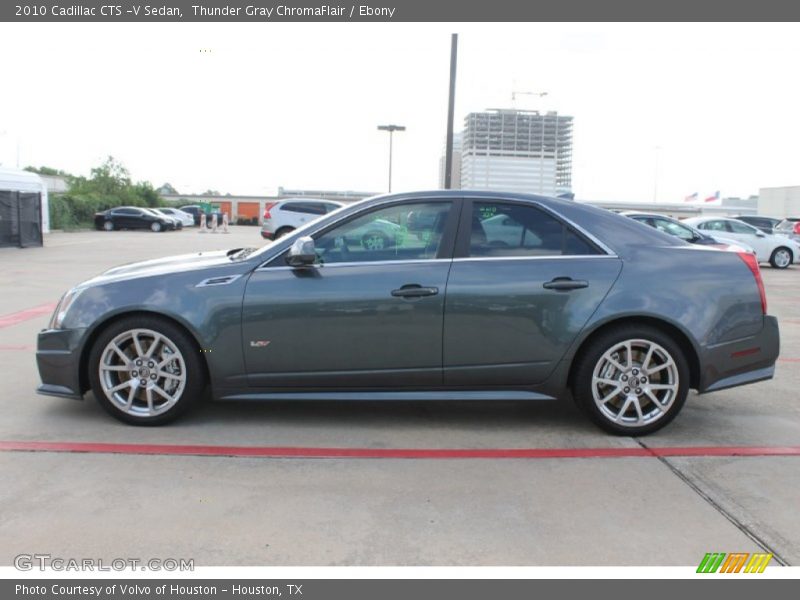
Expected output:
(185, 218)
(777, 250)
(287, 215)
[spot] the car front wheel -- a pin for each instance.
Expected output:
(145, 370)
(108, 225)
(781, 258)
(632, 380)
(155, 226)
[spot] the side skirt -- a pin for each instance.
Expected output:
(399, 395)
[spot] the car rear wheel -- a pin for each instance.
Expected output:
(781, 258)
(145, 371)
(632, 380)
(155, 226)
(283, 231)
(108, 225)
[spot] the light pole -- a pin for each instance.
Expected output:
(391, 129)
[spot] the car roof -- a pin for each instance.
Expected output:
(309, 200)
(711, 218)
(637, 213)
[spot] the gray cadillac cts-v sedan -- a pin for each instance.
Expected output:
(431, 295)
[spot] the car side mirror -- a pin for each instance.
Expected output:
(760, 233)
(302, 253)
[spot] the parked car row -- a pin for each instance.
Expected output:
(777, 249)
(136, 217)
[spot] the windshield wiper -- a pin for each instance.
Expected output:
(239, 253)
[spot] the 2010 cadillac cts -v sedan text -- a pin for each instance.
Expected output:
(489, 296)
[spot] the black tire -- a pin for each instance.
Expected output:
(592, 356)
(283, 231)
(776, 261)
(194, 368)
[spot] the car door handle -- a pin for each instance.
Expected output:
(564, 284)
(414, 290)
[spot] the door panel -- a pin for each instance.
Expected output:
(339, 325)
(503, 327)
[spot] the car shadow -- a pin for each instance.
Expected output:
(559, 417)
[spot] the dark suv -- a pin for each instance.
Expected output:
(765, 224)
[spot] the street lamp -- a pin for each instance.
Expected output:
(391, 129)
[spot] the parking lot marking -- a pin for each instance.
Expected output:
(13, 347)
(413, 453)
(24, 315)
(789, 360)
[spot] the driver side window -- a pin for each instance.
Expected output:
(397, 232)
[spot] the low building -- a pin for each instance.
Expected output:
(249, 209)
(779, 201)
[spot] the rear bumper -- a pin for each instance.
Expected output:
(742, 361)
(58, 360)
(267, 235)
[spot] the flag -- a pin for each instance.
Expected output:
(691, 198)
(714, 198)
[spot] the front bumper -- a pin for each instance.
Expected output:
(58, 359)
(742, 361)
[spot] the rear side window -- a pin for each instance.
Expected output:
(504, 230)
(313, 208)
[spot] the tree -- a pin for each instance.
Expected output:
(47, 171)
(109, 185)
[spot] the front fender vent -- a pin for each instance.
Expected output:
(223, 280)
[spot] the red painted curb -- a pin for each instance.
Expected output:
(27, 314)
(418, 453)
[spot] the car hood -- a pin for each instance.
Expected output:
(169, 264)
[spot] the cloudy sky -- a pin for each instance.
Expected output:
(245, 108)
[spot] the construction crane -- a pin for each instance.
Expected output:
(516, 93)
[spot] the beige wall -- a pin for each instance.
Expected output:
(779, 201)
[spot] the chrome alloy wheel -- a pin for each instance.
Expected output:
(142, 372)
(635, 383)
(783, 258)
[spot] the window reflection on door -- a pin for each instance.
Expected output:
(399, 232)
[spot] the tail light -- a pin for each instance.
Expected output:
(267, 206)
(752, 263)
(797, 227)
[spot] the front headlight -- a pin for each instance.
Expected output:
(63, 306)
